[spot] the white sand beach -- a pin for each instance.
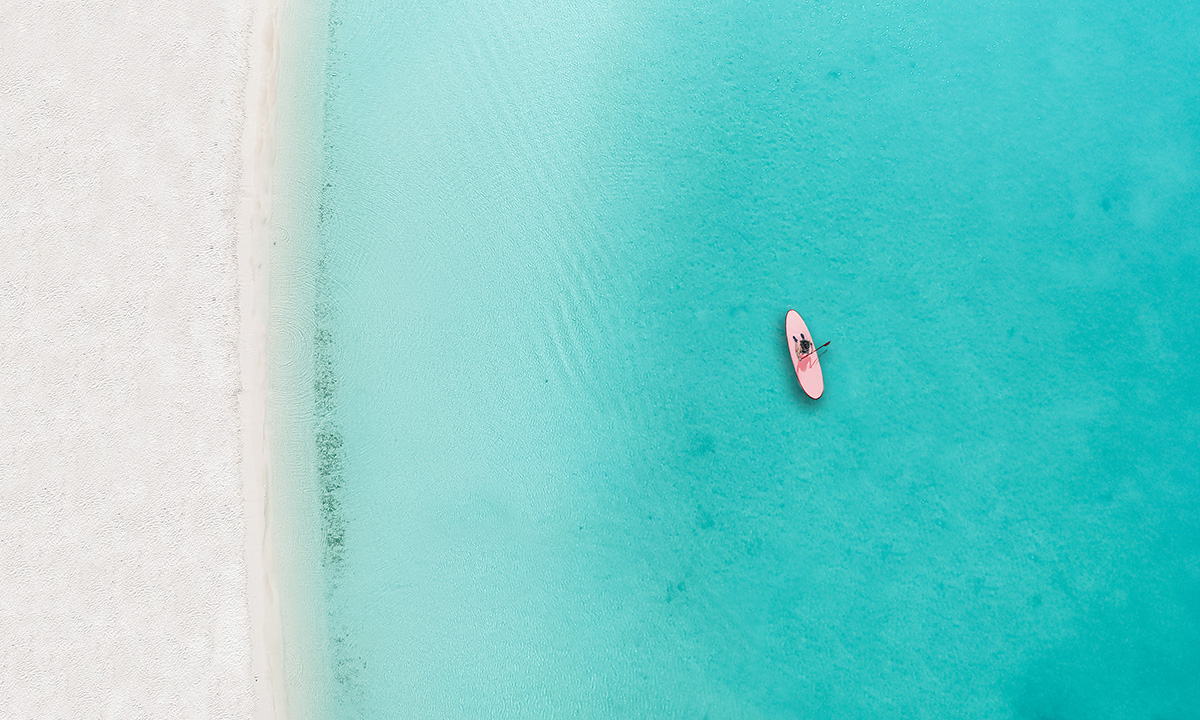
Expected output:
(135, 569)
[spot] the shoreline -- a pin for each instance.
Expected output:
(282, 148)
(253, 250)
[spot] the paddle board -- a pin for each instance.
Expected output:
(808, 367)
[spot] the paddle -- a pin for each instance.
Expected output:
(816, 350)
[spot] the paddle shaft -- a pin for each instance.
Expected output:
(810, 352)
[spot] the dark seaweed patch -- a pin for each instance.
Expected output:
(329, 473)
(331, 452)
(346, 663)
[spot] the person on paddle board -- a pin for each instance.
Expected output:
(803, 345)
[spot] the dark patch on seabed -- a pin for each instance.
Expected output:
(331, 480)
(346, 665)
(331, 477)
(331, 454)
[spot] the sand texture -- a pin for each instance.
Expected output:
(123, 577)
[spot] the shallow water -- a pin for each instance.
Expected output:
(566, 468)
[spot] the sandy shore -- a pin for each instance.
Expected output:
(254, 242)
(134, 197)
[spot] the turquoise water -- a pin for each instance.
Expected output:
(566, 469)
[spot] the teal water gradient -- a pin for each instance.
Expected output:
(566, 468)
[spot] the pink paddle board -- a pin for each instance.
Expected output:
(808, 367)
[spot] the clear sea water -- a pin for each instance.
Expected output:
(565, 467)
